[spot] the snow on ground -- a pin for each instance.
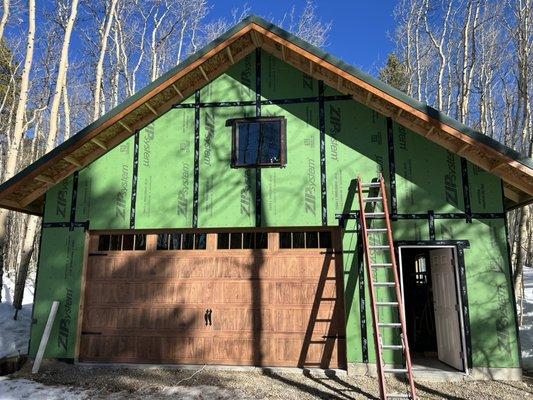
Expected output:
(14, 335)
(526, 330)
(15, 389)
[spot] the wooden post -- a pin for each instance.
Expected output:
(45, 337)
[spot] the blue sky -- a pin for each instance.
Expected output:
(361, 29)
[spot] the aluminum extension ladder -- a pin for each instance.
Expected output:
(376, 196)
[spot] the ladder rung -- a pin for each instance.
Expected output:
(328, 298)
(374, 214)
(381, 265)
(392, 346)
(398, 396)
(390, 325)
(385, 284)
(386, 303)
(395, 370)
(376, 230)
(372, 199)
(379, 247)
(371, 184)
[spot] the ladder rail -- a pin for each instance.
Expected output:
(399, 297)
(382, 194)
(373, 296)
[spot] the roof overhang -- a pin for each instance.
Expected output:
(25, 191)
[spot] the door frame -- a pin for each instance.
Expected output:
(457, 247)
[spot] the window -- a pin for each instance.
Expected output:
(421, 273)
(259, 142)
(305, 240)
(181, 241)
(121, 242)
(242, 240)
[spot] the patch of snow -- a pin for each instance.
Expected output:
(11, 389)
(526, 330)
(14, 335)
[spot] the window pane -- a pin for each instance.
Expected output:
(200, 241)
(311, 240)
(270, 142)
(140, 242)
(258, 142)
(248, 139)
(298, 241)
(236, 241)
(175, 241)
(223, 241)
(103, 243)
(162, 241)
(261, 240)
(115, 242)
(127, 242)
(285, 240)
(188, 241)
(325, 240)
(248, 240)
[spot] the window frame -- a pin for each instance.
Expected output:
(235, 142)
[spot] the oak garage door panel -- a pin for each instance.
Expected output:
(211, 301)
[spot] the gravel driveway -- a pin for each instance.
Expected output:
(119, 383)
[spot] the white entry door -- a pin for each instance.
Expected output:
(446, 307)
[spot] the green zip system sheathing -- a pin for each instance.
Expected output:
(432, 188)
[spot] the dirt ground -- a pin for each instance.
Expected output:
(121, 383)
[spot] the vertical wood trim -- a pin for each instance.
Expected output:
(211, 241)
(273, 241)
(151, 242)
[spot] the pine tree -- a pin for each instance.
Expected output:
(394, 73)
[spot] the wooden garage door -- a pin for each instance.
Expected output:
(227, 298)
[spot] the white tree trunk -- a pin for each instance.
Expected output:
(97, 110)
(61, 79)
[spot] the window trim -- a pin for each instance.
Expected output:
(235, 143)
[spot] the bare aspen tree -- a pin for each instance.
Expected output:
(5, 16)
(17, 134)
(61, 78)
(97, 108)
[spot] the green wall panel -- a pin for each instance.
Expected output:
(58, 278)
(291, 195)
(58, 202)
(104, 189)
(485, 190)
(166, 172)
(238, 83)
(356, 145)
(279, 80)
(494, 340)
(428, 177)
(226, 195)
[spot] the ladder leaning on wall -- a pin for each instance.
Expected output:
(387, 288)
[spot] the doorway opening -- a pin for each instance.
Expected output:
(432, 305)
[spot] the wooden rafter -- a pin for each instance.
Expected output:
(126, 126)
(99, 143)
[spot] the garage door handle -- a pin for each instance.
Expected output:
(207, 316)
